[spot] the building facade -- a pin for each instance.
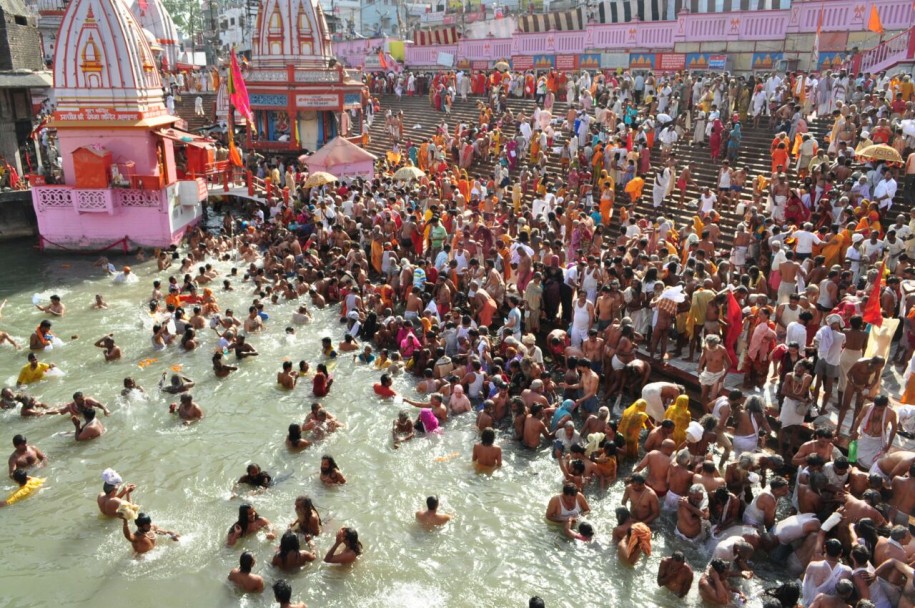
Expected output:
(22, 71)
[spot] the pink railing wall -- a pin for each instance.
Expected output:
(801, 18)
(898, 48)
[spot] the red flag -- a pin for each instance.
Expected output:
(238, 92)
(143, 5)
(873, 314)
(382, 61)
(734, 318)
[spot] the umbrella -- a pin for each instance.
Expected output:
(502, 66)
(408, 173)
(881, 152)
(319, 178)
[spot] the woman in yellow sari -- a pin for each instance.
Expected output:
(633, 420)
(679, 413)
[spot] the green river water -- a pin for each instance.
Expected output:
(59, 551)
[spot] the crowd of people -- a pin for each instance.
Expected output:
(522, 300)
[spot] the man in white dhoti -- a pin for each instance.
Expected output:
(661, 186)
(875, 430)
(824, 96)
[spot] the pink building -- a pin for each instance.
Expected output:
(128, 173)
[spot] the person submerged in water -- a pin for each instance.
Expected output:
(144, 539)
(177, 384)
(255, 476)
(242, 577)
(352, 548)
(330, 472)
(112, 496)
(431, 517)
(249, 523)
(25, 455)
(92, 428)
(188, 410)
(402, 429)
(322, 381)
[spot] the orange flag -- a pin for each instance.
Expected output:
(873, 22)
(873, 314)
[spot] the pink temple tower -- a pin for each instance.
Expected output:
(128, 172)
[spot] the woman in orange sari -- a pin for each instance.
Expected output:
(607, 189)
(834, 249)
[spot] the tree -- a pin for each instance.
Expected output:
(187, 15)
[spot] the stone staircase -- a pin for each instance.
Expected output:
(753, 155)
(185, 109)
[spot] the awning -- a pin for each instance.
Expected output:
(26, 80)
(184, 137)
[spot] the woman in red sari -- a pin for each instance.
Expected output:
(714, 140)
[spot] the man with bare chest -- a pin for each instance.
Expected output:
(658, 463)
(860, 381)
(789, 271)
(644, 505)
(25, 456)
(875, 430)
(713, 367)
(607, 306)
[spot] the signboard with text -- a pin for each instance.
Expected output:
(566, 62)
(328, 101)
(717, 62)
(670, 62)
(104, 114)
(522, 62)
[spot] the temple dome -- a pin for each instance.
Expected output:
(103, 63)
(291, 32)
(156, 18)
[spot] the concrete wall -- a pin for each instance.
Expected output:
(17, 216)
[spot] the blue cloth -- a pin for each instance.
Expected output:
(564, 410)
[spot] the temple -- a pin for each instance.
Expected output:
(129, 175)
(155, 19)
(299, 92)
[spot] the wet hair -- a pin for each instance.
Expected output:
(622, 515)
(786, 594)
(536, 602)
(242, 522)
(143, 520)
(569, 489)
(282, 592)
(432, 503)
(295, 433)
(289, 543)
(719, 565)
(833, 547)
(19, 440)
(351, 539)
(586, 529)
(678, 556)
(246, 562)
(20, 476)
(488, 436)
(108, 488)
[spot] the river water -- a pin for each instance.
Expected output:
(58, 549)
